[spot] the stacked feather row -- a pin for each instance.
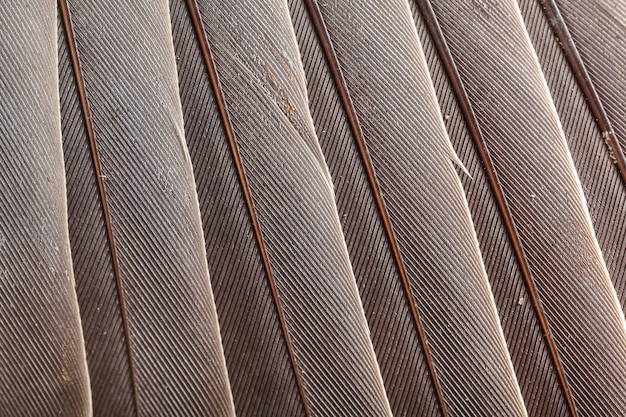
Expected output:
(313, 208)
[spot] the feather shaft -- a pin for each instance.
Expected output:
(148, 309)
(519, 121)
(262, 84)
(577, 65)
(368, 39)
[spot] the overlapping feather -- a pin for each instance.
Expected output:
(529, 350)
(598, 29)
(267, 200)
(346, 266)
(149, 320)
(585, 70)
(547, 208)
(403, 210)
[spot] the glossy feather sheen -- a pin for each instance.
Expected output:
(598, 29)
(150, 205)
(509, 94)
(43, 371)
(262, 88)
(534, 366)
(413, 164)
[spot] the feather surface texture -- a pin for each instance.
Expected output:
(295, 336)
(150, 324)
(573, 293)
(581, 49)
(264, 208)
(404, 214)
(43, 371)
(529, 348)
(598, 29)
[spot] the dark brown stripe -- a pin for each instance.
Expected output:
(355, 127)
(228, 130)
(481, 146)
(577, 66)
(80, 86)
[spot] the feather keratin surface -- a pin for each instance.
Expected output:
(251, 136)
(135, 228)
(403, 210)
(43, 371)
(530, 352)
(598, 30)
(574, 295)
(580, 46)
(268, 208)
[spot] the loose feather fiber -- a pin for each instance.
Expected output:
(268, 207)
(520, 126)
(421, 215)
(593, 115)
(43, 371)
(149, 319)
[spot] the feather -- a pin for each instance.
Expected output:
(43, 371)
(405, 218)
(565, 271)
(526, 333)
(149, 319)
(289, 308)
(584, 112)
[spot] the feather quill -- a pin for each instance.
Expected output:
(43, 371)
(404, 215)
(566, 271)
(150, 326)
(289, 308)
